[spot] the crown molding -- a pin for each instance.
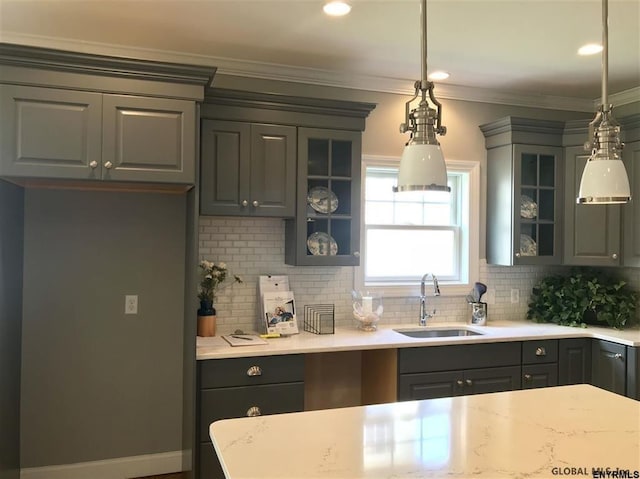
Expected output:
(621, 98)
(319, 77)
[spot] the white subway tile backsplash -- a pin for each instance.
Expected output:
(255, 246)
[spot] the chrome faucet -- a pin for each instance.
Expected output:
(423, 298)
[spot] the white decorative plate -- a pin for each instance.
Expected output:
(322, 199)
(528, 247)
(528, 207)
(321, 244)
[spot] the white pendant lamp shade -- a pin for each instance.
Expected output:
(604, 182)
(422, 168)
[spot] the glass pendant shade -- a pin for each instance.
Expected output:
(604, 181)
(422, 168)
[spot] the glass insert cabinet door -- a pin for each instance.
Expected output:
(536, 204)
(328, 214)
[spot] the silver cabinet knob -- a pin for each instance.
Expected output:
(93, 164)
(459, 382)
(469, 382)
(244, 203)
(517, 255)
(614, 256)
(617, 356)
(108, 165)
(541, 351)
(356, 254)
(527, 377)
(255, 203)
(254, 371)
(254, 411)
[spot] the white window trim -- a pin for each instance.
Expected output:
(473, 169)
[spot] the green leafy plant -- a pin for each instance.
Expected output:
(584, 296)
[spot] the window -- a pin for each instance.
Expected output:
(405, 235)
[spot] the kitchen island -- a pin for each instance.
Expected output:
(549, 432)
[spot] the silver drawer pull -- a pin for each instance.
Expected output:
(459, 382)
(527, 377)
(541, 351)
(469, 382)
(617, 356)
(254, 411)
(254, 371)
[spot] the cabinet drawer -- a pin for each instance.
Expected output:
(226, 403)
(464, 356)
(535, 352)
(216, 373)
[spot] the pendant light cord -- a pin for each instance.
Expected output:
(605, 54)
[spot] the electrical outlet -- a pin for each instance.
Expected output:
(515, 295)
(131, 304)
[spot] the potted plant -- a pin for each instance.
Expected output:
(212, 275)
(586, 296)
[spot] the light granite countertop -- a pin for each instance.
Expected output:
(349, 339)
(536, 433)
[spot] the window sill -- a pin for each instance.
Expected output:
(412, 291)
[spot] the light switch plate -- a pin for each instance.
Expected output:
(131, 304)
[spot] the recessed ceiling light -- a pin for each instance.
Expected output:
(336, 8)
(589, 49)
(438, 75)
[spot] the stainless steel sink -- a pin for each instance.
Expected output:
(436, 333)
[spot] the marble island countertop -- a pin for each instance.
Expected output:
(348, 339)
(535, 433)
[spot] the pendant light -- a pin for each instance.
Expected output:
(422, 166)
(604, 179)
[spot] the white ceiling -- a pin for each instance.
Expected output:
(512, 46)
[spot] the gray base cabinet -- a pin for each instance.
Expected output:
(230, 388)
(247, 169)
(574, 361)
(539, 364)
(609, 366)
(77, 135)
(443, 371)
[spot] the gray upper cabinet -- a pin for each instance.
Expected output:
(327, 225)
(291, 157)
(49, 133)
(601, 235)
(631, 211)
(72, 116)
(247, 169)
(524, 191)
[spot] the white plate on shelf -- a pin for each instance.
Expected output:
(528, 247)
(528, 207)
(321, 244)
(322, 199)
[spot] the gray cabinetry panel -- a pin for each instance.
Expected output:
(633, 372)
(609, 366)
(574, 361)
(229, 388)
(328, 159)
(631, 211)
(467, 356)
(539, 375)
(148, 139)
(64, 134)
(49, 133)
(247, 169)
(591, 232)
(524, 191)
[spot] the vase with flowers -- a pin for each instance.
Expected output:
(212, 275)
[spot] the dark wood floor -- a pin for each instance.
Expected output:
(177, 475)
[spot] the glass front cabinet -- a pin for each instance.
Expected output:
(524, 191)
(326, 230)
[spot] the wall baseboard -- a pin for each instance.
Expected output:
(118, 468)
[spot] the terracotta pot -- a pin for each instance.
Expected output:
(207, 325)
(206, 319)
